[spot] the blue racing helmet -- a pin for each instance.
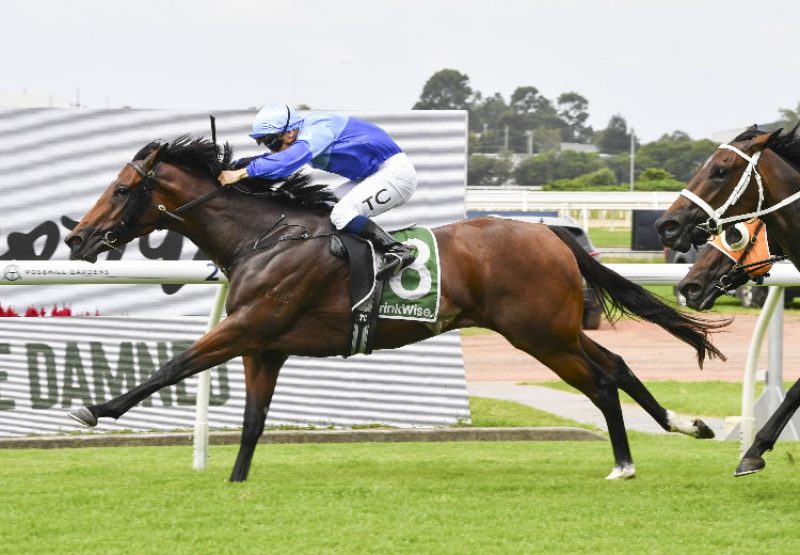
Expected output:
(274, 118)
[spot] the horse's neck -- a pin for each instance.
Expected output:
(784, 224)
(231, 223)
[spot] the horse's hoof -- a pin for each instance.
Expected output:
(749, 465)
(622, 473)
(83, 416)
(703, 431)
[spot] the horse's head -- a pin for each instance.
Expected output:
(730, 260)
(718, 194)
(127, 209)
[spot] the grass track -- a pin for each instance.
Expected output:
(542, 497)
(703, 398)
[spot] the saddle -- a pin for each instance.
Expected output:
(365, 291)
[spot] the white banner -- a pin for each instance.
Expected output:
(55, 163)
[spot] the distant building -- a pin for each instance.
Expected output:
(579, 147)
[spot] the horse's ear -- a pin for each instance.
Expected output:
(763, 141)
(155, 157)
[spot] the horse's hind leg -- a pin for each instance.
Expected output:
(578, 370)
(261, 375)
(630, 384)
(767, 436)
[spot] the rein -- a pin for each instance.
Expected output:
(715, 221)
(258, 246)
(135, 205)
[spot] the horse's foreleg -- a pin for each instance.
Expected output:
(261, 375)
(767, 436)
(630, 384)
(219, 345)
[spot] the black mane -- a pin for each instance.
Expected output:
(787, 146)
(207, 159)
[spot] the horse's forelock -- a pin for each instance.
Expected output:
(146, 150)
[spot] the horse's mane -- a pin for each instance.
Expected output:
(786, 145)
(202, 156)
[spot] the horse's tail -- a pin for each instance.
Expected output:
(622, 297)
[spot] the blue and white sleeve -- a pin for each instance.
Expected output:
(281, 164)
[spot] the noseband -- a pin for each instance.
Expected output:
(750, 243)
(716, 222)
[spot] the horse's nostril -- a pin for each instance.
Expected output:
(669, 226)
(691, 290)
(73, 241)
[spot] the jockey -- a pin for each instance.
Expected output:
(381, 175)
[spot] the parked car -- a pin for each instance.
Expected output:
(592, 308)
(750, 296)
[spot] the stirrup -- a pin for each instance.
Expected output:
(394, 262)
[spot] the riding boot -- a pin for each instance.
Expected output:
(396, 255)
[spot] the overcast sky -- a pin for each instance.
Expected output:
(693, 65)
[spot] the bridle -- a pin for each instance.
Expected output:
(750, 239)
(138, 201)
(142, 196)
(715, 223)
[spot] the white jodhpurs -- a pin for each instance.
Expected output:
(389, 187)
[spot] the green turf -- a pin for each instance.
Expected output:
(493, 412)
(708, 398)
(619, 237)
(496, 498)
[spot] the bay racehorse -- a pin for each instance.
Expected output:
(755, 176)
(736, 256)
(289, 295)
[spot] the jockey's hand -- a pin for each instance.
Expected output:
(229, 177)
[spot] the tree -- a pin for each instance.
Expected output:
(545, 168)
(488, 170)
(488, 114)
(530, 111)
(615, 137)
(676, 153)
(789, 117)
(447, 89)
(573, 111)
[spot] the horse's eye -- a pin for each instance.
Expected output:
(121, 191)
(719, 173)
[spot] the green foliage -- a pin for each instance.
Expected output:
(488, 170)
(602, 179)
(660, 185)
(676, 154)
(655, 174)
(615, 138)
(446, 89)
(573, 110)
(545, 168)
(493, 120)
